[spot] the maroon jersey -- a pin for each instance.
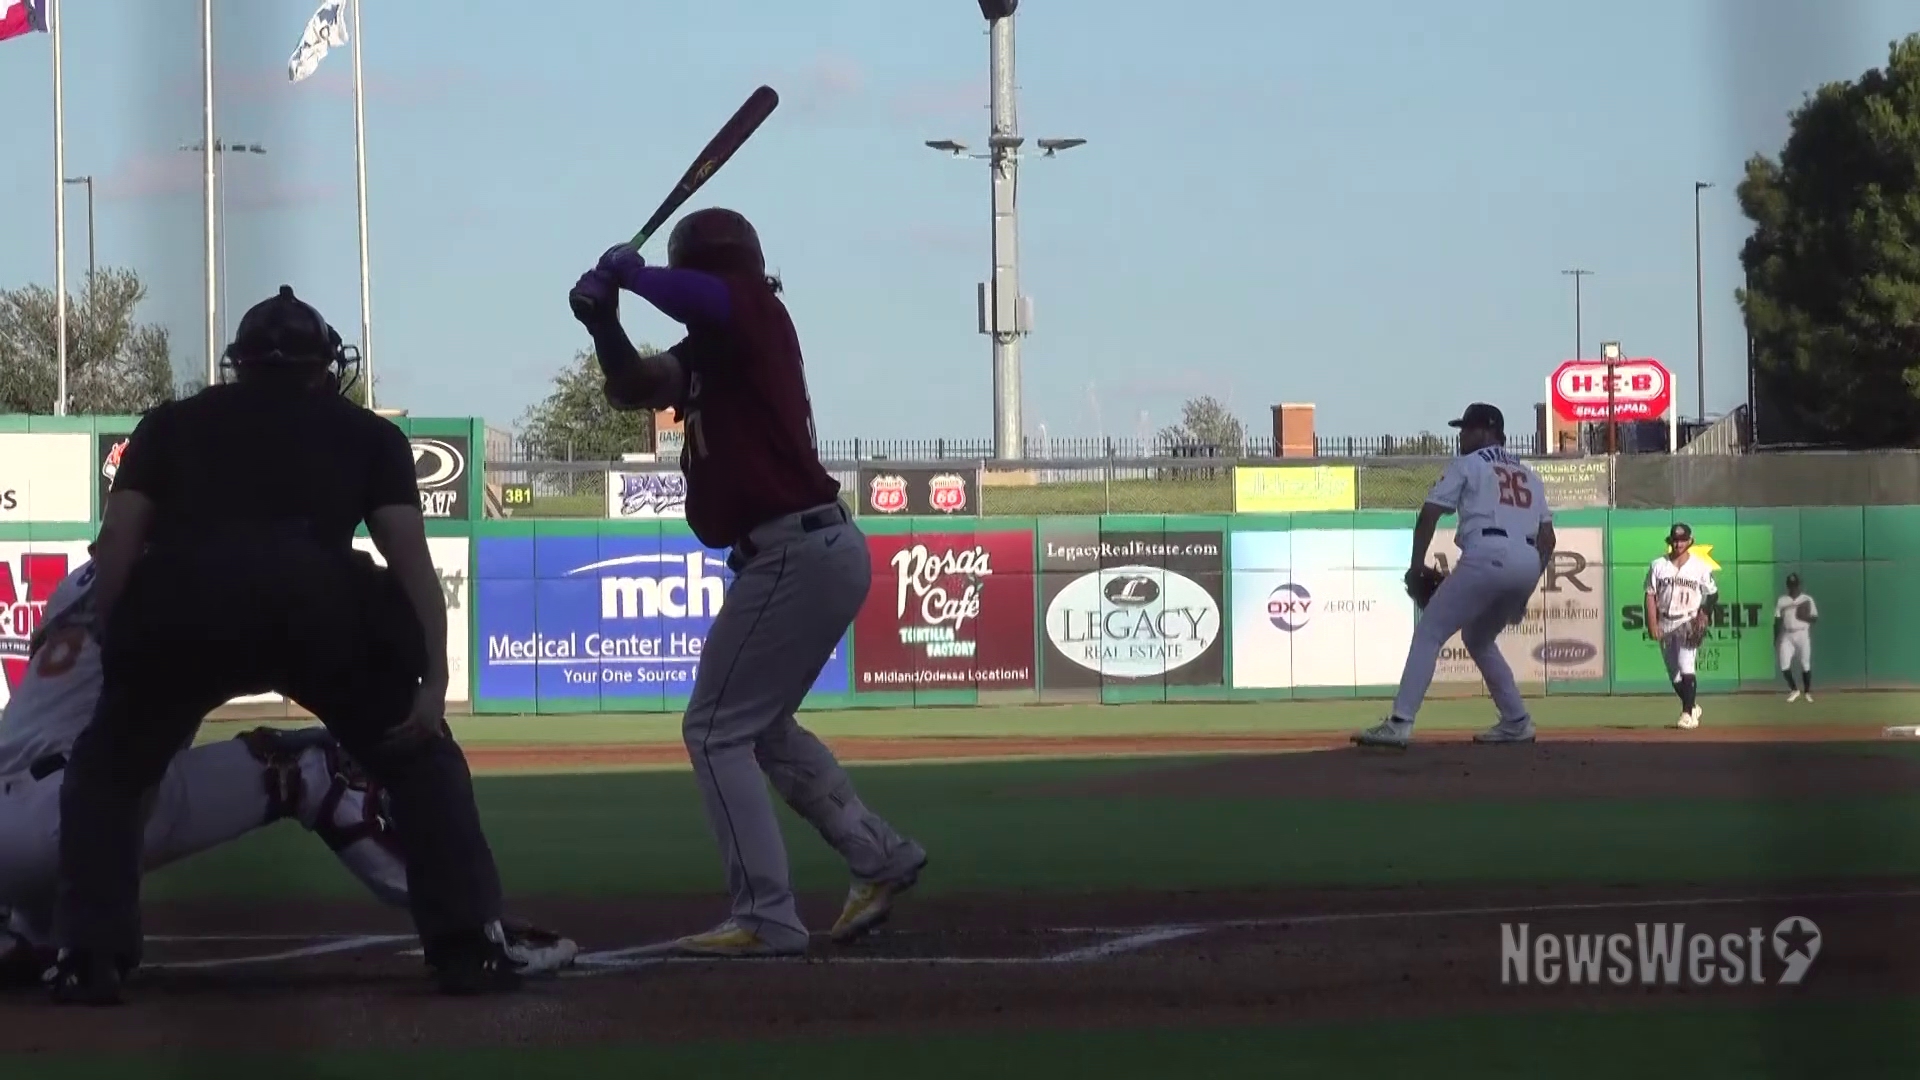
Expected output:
(748, 447)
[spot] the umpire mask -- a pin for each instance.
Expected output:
(286, 338)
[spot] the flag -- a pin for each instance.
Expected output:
(19, 17)
(326, 29)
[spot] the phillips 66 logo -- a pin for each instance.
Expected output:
(947, 493)
(887, 493)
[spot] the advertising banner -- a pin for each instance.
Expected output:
(1563, 636)
(440, 465)
(578, 617)
(1293, 489)
(1320, 607)
(1739, 628)
(920, 492)
(655, 494)
(1129, 608)
(1574, 483)
(29, 572)
(947, 611)
(43, 477)
(108, 446)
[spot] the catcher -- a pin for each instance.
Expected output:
(1505, 536)
(1680, 589)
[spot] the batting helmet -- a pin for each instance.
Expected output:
(717, 240)
(285, 331)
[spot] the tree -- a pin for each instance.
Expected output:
(1204, 421)
(574, 421)
(1832, 301)
(114, 364)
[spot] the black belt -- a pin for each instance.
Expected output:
(46, 766)
(810, 522)
(1502, 533)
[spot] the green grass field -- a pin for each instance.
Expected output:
(627, 834)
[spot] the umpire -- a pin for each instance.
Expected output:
(226, 567)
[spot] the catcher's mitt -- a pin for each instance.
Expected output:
(1422, 583)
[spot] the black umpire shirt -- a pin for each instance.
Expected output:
(241, 458)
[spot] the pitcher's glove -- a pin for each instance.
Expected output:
(1422, 583)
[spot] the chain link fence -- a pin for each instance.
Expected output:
(1204, 484)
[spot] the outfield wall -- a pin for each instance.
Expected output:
(591, 616)
(586, 615)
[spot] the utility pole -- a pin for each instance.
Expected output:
(1699, 308)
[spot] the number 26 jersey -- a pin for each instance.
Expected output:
(1493, 493)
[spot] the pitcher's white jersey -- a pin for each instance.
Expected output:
(1493, 493)
(55, 700)
(1679, 592)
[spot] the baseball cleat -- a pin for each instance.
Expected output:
(475, 962)
(1793, 695)
(537, 951)
(730, 940)
(1690, 720)
(1808, 696)
(82, 977)
(870, 903)
(1521, 731)
(1389, 733)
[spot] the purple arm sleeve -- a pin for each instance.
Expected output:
(688, 297)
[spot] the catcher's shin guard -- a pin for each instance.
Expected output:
(310, 778)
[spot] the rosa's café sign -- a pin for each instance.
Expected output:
(1639, 389)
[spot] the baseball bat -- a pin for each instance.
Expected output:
(731, 136)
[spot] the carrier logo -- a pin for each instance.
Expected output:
(1564, 651)
(695, 592)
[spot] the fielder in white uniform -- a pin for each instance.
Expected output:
(1506, 539)
(1679, 591)
(211, 794)
(1793, 617)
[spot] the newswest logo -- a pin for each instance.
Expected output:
(693, 593)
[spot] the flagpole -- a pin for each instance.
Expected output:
(360, 181)
(59, 213)
(209, 151)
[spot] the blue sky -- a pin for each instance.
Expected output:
(1364, 204)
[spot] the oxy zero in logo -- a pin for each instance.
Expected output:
(947, 493)
(1289, 607)
(25, 588)
(1585, 390)
(888, 494)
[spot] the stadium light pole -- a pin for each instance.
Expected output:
(1699, 308)
(1576, 275)
(219, 277)
(1004, 314)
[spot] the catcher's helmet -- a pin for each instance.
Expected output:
(285, 331)
(718, 240)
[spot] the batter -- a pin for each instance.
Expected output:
(1505, 536)
(211, 794)
(755, 485)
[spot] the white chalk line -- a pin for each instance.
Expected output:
(1504, 909)
(1124, 940)
(364, 941)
